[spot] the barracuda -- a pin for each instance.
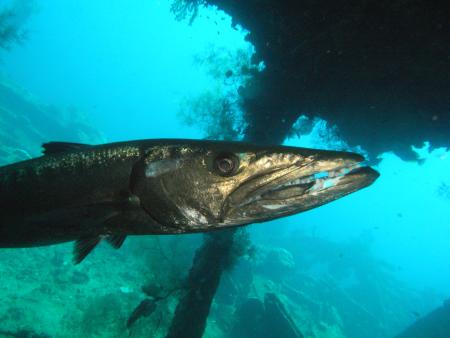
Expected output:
(86, 193)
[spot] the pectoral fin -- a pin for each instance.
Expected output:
(83, 246)
(116, 241)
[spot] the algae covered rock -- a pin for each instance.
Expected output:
(266, 320)
(275, 263)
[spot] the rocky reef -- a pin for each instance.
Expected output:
(25, 124)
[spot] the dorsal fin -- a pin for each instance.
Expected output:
(83, 246)
(61, 147)
(116, 241)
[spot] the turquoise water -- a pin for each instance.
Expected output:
(367, 265)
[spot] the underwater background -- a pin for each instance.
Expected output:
(368, 265)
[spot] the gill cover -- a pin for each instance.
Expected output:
(179, 185)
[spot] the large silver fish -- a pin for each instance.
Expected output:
(86, 193)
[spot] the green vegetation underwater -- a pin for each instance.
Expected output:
(367, 77)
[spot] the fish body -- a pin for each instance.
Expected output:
(171, 186)
(144, 309)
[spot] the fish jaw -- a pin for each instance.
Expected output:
(298, 188)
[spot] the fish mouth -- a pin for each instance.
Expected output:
(298, 188)
(321, 181)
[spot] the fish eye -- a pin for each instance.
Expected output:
(226, 164)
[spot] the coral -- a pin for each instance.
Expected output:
(242, 247)
(218, 111)
(274, 263)
(9, 33)
(183, 9)
(12, 19)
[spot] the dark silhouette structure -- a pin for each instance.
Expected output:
(211, 259)
(377, 69)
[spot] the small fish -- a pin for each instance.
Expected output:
(83, 193)
(144, 309)
(229, 73)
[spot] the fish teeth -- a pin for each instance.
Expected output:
(322, 180)
(322, 176)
